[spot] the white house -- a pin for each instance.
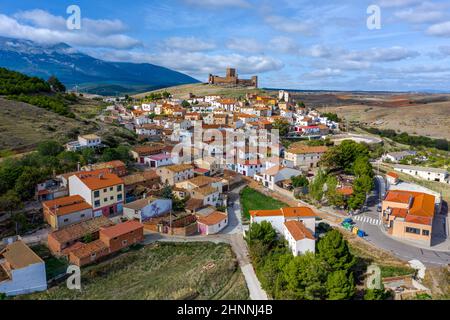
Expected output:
(210, 99)
(278, 217)
(425, 173)
(158, 160)
(304, 156)
(397, 156)
(89, 141)
(21, 270)
(297, 225)
(147, 208)
(212, 223)
(271, 176)
(209, 194)
(298, 237)
(249, 168)
(139, 121)
(149, 129)
(148, 107)
(85, 141)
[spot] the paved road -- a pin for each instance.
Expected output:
(369, 221)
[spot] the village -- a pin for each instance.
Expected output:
(194, 160)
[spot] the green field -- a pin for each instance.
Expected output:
(254, 200)
(198, 270)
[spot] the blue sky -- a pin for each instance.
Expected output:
(288, 43)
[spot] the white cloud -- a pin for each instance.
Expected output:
(289, 25)
(284, 45)
(440, 29)
(397, 3)
(197, 64)
(245, 45)
(319, 51)
(219, 3)
(391, 54)
(188, 43)
(42, 27)
(424, 13)
(324, 73)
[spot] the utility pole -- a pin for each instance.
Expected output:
(170, 222)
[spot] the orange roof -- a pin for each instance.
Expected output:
(227, 101)
(298, 230)
(298, 212)
(303, 149)
(121, 229)
(99, 179)
(213, 218)
(392, 174)
(346, 190)
(399, 196)
(419, 220)
(399, 212)
(66, 205)
(86, 250)
(286, 212)
(422, 205)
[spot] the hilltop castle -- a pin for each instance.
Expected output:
(231, 79)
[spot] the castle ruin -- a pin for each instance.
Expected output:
(232, 80)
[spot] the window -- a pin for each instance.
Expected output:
(105, 199)
(66, 220)
(111, 198)
(97, 203)
(111, 189)
(426, 232)
(105, 190)
(96, 194)
(124, 242)
(119, 197)
(82, 215)
(412, 230)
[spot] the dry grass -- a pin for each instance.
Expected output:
(199, 270)
(200, 89)
(23, 126)
(431, 120)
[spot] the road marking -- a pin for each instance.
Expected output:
(369, 220)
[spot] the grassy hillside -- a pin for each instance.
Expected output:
(201, 89)
(23, 126)
(173, 271)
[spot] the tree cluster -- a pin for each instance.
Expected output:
(324, 275)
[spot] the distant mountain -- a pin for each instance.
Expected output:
(92, 75)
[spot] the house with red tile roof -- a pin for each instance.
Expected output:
(278, 217)
(111, 239)
(212, 223)
(299, 238)
(104, 191)
(392, 177)
(115, 166)
(65, 211)
(409, 215)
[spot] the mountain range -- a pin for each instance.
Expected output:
(86, 73)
